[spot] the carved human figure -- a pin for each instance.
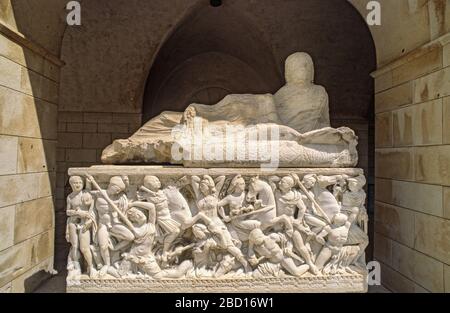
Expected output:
(166, 226)
(264, 248)
(111, 205)
(356, 197)
(299, 112)
(319, 199)
(290, 203)
(235, 199)
(207, 196)
(301, 104)
(81, 221)
(337, 235)
(140, 253)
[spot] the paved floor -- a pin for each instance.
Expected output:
(57, 284)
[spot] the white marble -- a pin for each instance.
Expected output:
(288, 129)
(174, 229)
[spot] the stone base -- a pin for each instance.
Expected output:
(347, 283)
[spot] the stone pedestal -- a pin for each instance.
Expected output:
(288, 230)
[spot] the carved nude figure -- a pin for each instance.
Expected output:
(265, 248)
(337, 235)
(81, 221)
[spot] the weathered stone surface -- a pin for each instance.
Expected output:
(17, 77)
(383, 249)
(70, 140)
(383, 133)
(433, 86)
(6, 288)
(7, 227)
(415, 196)
(81, 155)
(432, 165)
(81, 127)
(112, 128)
(420, 66)
(23, 115)
(36, 155)
(25, 187)
(447, 278)
(96, 140)
(383, 82)
(446, 120)
(403, 127)
(32, 218)
(393, 98)
(394, 163)
(18, 284)
(419, 124)
(15, 261)
(418, 267)
(432, 236)
(446, 197)
(446, 55)
(8, 155)
(427, 123)
(27, 58)
(70, 117)
(326, 284)
(394, 222)
(395, 281)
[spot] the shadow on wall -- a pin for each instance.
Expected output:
(30, 37)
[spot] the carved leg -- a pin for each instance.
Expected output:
(236, 252)
(304, 252)
(323, 257)
(103, 242)
(74, 254)
(85, 241)
(290, 266)
(169, 239)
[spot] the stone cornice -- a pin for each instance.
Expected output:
(422, 50)
(22, 41)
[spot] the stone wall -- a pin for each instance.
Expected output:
(28, 111)
(412, 209)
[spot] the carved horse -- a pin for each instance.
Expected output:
(262, 191)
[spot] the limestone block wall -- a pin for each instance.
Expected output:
(29, 81)
(412, 169)
(82, 136)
